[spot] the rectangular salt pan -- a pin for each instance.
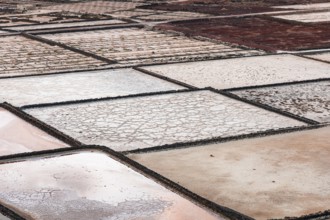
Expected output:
(249, 71)
(89, 185)
(309, 100)
(80, 85)
(288, 174)
(142, 122)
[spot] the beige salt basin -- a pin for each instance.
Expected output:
(89, 185)
(18, 136)
(269, 177)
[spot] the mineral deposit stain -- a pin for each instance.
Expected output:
(89, 185)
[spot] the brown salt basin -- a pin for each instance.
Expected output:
(269, 177)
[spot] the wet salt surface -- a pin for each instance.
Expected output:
(249, 71)
(308, 17)
(310, 100)
(89, 185)
(142, 122)
(18, 136)
(77, 86)
(288, 174)
(67, 25)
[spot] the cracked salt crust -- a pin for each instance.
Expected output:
(143, 122)
(249, 71)
(77, 86)
(21, 56)
(89, 185)
(310, 100)
(288, 174)
(307, 17)
(66, 25)
(320, 56)
(138, 46)
(18, 136)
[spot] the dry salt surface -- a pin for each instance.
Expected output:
(67, 25)
(288, 174)
(89, 185)
(95, 7)
(81, 85)
(21, 56)
(138, 46)
(309, 100)
(18, 136)
(306, 6)
(248, 71)
(320, 56)
(172, 16)
(308, 17)
(143, 122)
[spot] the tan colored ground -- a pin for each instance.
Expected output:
(270, 177)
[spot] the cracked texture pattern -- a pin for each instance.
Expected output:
(78, 86)
(310, 100)
(135, 46)
(249, 71)
(143, 122)
(88, 185)
(21, 56)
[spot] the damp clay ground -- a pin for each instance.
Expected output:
(226, 7)
(257, 32)
(286, 173)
